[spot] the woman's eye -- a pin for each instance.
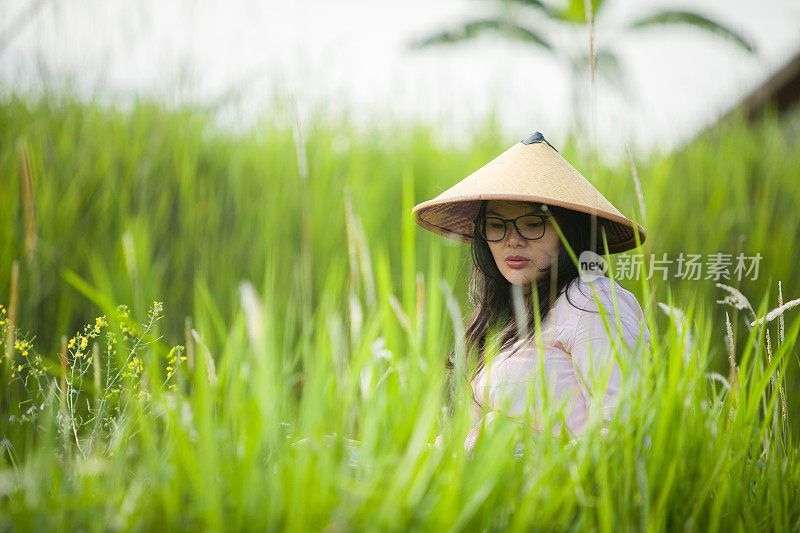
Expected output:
(495, 225)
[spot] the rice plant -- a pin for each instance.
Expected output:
(248, 332)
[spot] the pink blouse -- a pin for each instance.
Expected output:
(576, 348)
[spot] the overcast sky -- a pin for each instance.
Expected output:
(353, 54)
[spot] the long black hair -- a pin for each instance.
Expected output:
(490, 292)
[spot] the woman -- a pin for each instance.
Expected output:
(526, 213)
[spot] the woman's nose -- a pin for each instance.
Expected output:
(514, 238)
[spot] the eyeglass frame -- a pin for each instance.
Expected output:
(513, 221)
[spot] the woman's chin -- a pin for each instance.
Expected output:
(520, 280)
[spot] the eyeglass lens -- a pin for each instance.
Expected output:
(531, 227)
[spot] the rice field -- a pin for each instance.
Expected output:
(217, 331)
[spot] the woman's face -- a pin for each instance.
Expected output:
(520, 260)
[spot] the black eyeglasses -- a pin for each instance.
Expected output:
(494, 229)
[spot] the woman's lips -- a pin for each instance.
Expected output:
(515, 261)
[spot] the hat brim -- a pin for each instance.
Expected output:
(453, 218)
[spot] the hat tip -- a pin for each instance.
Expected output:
(537, 137)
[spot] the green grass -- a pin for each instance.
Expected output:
(150, 205)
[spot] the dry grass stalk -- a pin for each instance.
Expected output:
(356, 317)
(769, 359)
(420, 279)
(12, 313)
(731, 348)
(187, 333)
(681, 328)
(350, 232)
(98, 383)
(401, 315)
(780, 319)
(365, 262)
(63, 397)
(781, 388)
(782, 391)
(638, 185)
(302, 170)
(358, 252)
(718, 377)
(777, 312)
(29, 204)
(773, 380)
(253, 312)
(211, 368)
(736, 299)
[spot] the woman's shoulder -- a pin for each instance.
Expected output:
(585, 320)
(582, 295)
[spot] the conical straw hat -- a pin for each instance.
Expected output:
(533, 171)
